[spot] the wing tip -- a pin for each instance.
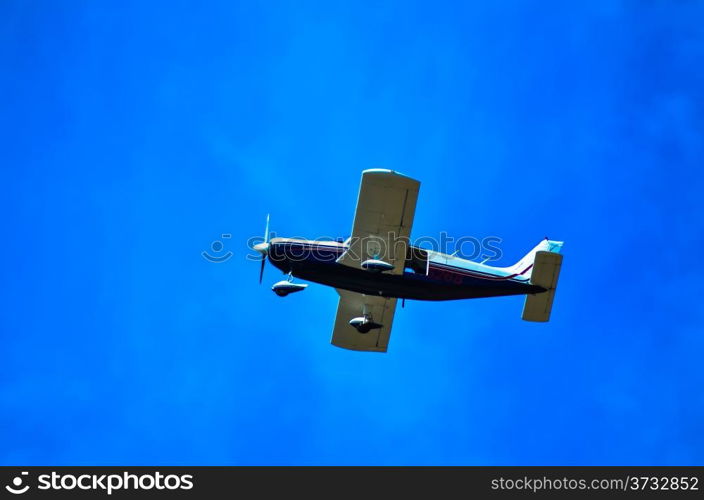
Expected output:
(359, 348)
(389, 172)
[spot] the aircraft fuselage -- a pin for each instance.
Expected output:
(317, 261)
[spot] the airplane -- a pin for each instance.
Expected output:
(376, 266)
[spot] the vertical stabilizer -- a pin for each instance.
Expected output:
(524, 266)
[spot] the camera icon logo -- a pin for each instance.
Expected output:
(217, 246)
(16, 488)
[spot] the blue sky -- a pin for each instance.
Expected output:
(134, 134)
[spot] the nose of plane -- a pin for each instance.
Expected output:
(262, 248)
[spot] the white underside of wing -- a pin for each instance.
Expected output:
(352, 305)
(381, 230)
(383, 219)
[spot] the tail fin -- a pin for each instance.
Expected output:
(545, 271)
(525, 267)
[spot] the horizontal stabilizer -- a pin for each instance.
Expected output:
(546, 271)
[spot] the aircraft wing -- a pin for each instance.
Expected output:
(352, 305)
(383, 219)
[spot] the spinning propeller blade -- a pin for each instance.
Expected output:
(263, 248)
(261, 270)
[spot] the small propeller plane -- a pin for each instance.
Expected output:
(376, 266)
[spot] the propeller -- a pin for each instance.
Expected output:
(263, 248)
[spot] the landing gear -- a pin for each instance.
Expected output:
(364, 324)
(376, 265)
(286, 287)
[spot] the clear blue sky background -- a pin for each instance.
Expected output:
(133, 134)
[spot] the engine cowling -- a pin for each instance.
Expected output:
(284, 288)
(377, 265)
